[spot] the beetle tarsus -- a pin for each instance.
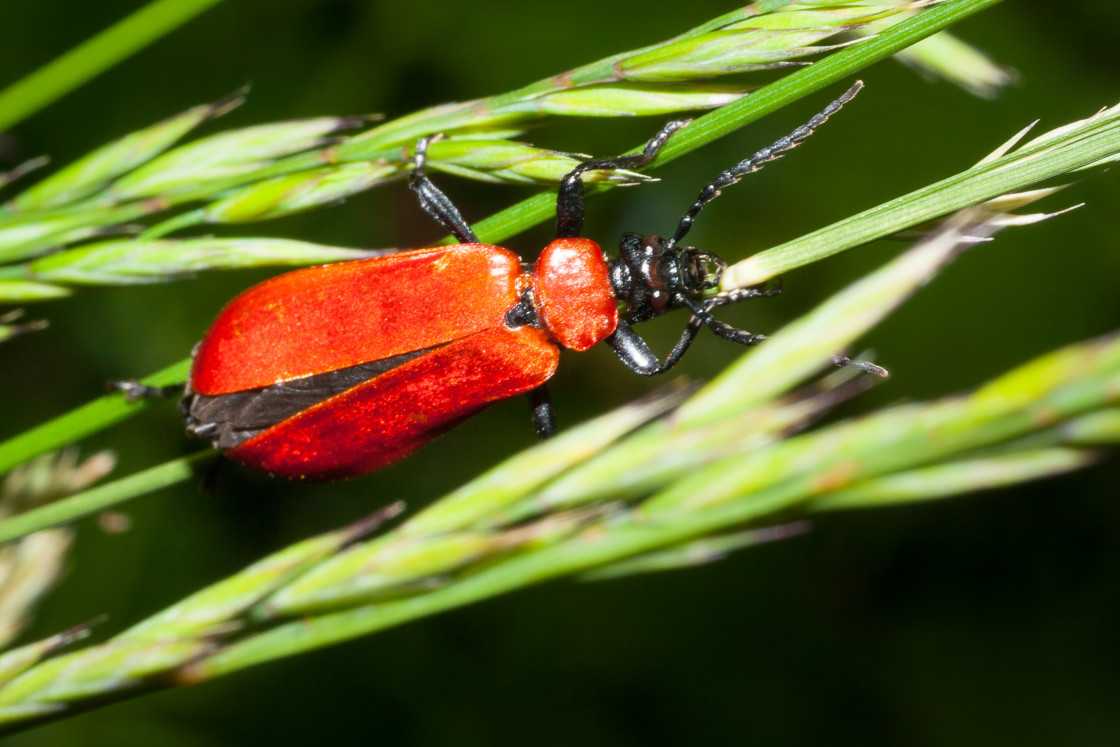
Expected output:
(865, 366)
(544, 416)
(134, 390)
(741, 294)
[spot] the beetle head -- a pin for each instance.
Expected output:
(651, 275)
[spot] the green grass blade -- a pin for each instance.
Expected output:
(54, 80)
(100, 498)
(78, 423)
(1070, 148)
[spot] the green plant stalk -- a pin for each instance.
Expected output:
(956, 478)
(81, 422)
(67, 207)
(100, 498)
(1016, 173)
(85, 176)
(759, 381)
(17, 660)
(458, 510)
(212, 608)
(29, 240)
(89, 59)
(1066, 382)
(673, 60)
(1030, 165)
(423, 123)
(20, 291)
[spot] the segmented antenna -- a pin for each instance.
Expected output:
(758, 160)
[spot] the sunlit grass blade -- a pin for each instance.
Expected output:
(613, 540)
(79, 423)
(944, 56)
(105, 496)
(23, 237)
(227, 154)
(466, 553)
(92, 172)
(482, 500)
(18, 660)
(1076, 146)
(129, 261)
(285, 167)
(93, 672)
(759, 35)
(956, 478)
(697, 552)
(727, 119)
(91, 58)
(210, 611)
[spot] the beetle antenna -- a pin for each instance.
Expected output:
(758, 160)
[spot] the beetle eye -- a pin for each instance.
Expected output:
(713, 270)
(704, 270)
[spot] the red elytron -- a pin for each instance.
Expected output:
(332, 372)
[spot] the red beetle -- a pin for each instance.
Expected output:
(335, 371)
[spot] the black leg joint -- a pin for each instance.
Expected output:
(134, 390)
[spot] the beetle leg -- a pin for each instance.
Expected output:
(865, 366)
(734, 334)
(635, 353)
(569, 200)
(740, 294)
(687, 336)
(544, 417)
(134, 390)
(702, 316)
(433, 200)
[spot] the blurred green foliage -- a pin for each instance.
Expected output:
(985, 620)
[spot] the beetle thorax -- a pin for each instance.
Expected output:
(651, 276)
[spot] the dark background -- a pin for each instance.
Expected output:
(983, 620)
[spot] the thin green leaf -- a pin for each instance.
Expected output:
(1079, 145)
(92, 172)
(79, 423)
(131, 261)
(86, 61)
(97, 499)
